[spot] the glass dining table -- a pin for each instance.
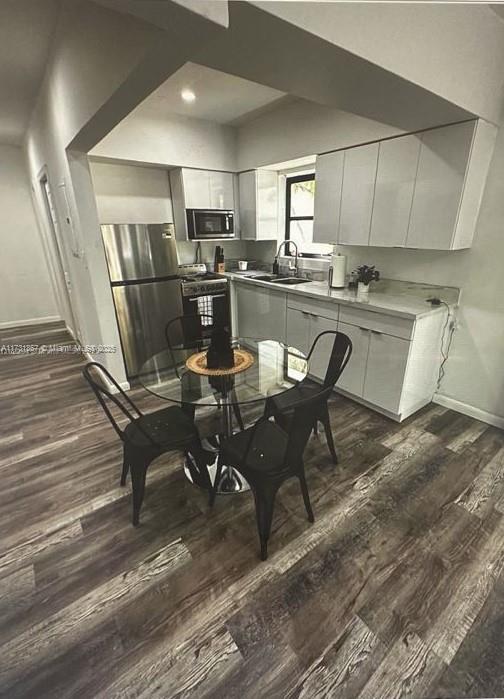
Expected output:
(272, 368)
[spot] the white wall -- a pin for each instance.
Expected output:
(456, 51)
(146, 137)
(303, 128)
(475, 369)
(26, 293)
(134, 194)
(131, 194)
(103, 64)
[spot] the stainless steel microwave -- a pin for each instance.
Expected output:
(209, 224)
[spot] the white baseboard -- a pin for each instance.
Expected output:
(28, 321)
(469, 410)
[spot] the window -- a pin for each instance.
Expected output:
(300, 199)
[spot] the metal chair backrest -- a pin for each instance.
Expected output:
(187, 330)
(301, 426)
(340, 354)
(94, 373)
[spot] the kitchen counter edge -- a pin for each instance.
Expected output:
(319, 290)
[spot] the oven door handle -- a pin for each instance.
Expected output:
(213, 295)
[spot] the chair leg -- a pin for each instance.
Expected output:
(125, 467)
(189, 409)
(324, 418)
(306, 497)
(138, 476)
(265, 503)
(268, 408)
(236, 410)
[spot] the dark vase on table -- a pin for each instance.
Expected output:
(220, 353)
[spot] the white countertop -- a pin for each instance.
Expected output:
(401, 305)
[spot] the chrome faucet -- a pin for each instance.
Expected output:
(275, 263)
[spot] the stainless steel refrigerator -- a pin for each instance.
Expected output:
(143, 268)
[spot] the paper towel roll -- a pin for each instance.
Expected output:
(338, 266)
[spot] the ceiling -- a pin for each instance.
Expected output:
(26, 29)
(223, 98)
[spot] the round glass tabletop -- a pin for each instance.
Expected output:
(276, 367)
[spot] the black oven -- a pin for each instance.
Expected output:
(209, 224)
(209, 299)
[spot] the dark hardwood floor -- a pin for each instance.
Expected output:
(396, 590)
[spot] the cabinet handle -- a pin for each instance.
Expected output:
(365, 330)
(376, 332)
(305, 313)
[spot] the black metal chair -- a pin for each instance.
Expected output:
(145, 437)
(281, 407)
(189, 332)
(266, 455)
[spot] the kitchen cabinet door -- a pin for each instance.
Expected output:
(196, 188)
(444, 155)
(395, 182)
(298, 329)
(328, 182)
(359, 175)
(261, 312)
(320, 357)
(386, 367)
(266, 205)
(221, 191)
(352, 378)
(246, 186)
(259, 205)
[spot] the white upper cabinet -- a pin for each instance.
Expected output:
(196, 188)
(328, 183)
(420, 190)
(444, 156)
(359, 175)
(221, 189)
(207, 189)
(259, 204)
(200, 189)
(395, 184)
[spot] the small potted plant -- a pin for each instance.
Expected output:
(366, 275)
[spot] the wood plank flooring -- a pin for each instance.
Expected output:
(396, 590)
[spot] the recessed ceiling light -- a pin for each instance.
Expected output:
(188, 95)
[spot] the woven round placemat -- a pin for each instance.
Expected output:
(198, 364)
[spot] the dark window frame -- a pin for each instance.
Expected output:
(288, 218)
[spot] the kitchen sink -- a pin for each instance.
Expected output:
(290, 280)
(280, 279)
(267, 277)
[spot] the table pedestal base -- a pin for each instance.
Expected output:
(231, 482)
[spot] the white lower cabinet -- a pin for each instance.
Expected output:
(352, 379)
(298, 329)
(386, 367)
(260, 312)
(394, 363)
(303, 327)
(321, 354)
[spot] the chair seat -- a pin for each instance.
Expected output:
(285, 402)
(169, 427)
(266, 454)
